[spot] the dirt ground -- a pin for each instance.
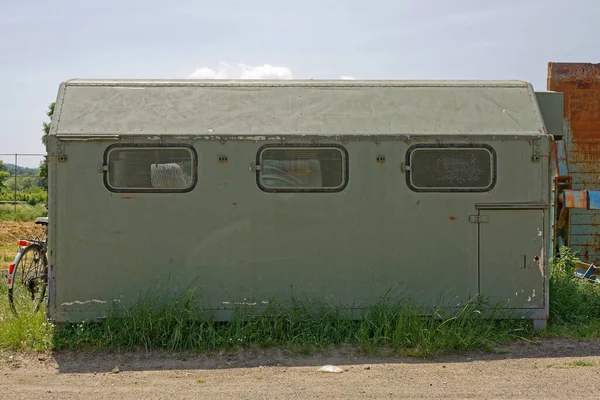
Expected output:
(522, 370)
(10, 232)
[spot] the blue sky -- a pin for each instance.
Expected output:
(45, 42)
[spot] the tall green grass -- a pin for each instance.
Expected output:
(26, 332)
(24, 212)
(179, 325)
(303, 327)
(574, 302)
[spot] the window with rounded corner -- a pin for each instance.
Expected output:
(451, 168)
(150, 169)
(302, 168)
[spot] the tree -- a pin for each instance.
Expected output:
(43, 171)
(49, 113)
(3, 174)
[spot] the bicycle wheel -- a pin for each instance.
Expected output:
(30, 279)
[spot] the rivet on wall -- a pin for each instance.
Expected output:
(222, 159)
(380, 159)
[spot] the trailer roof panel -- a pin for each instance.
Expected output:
(95, 107)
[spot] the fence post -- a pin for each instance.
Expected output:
(15, 186)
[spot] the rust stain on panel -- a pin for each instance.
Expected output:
(584, 158)
(579, 153)
(575, 199)
(580, 83)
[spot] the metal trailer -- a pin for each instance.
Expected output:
(577, 160)
(341, 192)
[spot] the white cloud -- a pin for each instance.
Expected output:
(208, 73)
(265, 72)
(347, 78)
(242, 71)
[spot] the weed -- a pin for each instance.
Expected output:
(574, 303)
(581, 363)
(27, 331)
(302, 327)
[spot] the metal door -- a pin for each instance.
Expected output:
(511, 252)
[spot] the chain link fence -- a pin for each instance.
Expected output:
(23, 192)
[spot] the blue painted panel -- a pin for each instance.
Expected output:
(562, 167)
(589, 217)
(586, 181)
(581, 240)
(594, 199)
(585, 233)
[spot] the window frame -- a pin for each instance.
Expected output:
(154, 146)
(345, 167)
(449, 146)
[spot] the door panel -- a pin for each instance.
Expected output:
(511, 245)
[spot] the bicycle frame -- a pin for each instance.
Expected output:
(23, 244)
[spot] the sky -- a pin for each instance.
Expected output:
(43, 43)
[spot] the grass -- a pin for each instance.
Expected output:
(28, 331)
(572, 364)
(574, 303)
(24, 212)
(180, 326)
(7, 254)
(580, 363)
(302, 327)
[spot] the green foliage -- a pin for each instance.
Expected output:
(25, 212)
(581, 363)
(43, 170)
(28, 190)
(25, 332)
(3, 175)
(22, 185)
(574, 302)
(20, 171)
(49, 113)
(303, 327)
(43, 175)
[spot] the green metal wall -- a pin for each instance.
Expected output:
(233, 243)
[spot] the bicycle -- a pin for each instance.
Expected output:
(32, 274)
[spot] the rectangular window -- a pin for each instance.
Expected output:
(452, 168)
(150, 168)
(302, 168)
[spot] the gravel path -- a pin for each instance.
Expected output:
(525, 370)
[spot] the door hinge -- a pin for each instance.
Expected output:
(404, 168)
(478, 219)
